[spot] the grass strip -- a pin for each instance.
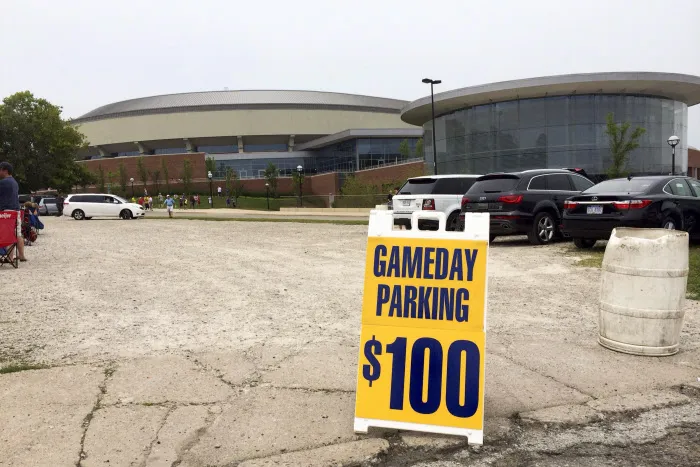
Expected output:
(17, 367)
(266, 219)
(593, 258)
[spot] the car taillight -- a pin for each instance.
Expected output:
(465, 200)
(570, 204)
(428, 205)
(632, 204)
(511, 199)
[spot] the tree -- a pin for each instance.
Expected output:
(419, 148)
(405, 149)
(271, 174)
(100, 179)
(143, 172)
(155, 176)
(40, 145)
(230, 177)
(210, 164)
(84, 177)
(187, 175)
(164, 168)
(620, 144)
(123, 178)
(298, 183)
(110, 178)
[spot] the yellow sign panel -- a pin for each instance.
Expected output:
(422, 344)
(425, 283)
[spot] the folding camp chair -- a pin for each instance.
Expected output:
(8, 237)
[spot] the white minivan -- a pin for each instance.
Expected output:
(91, 205)
(431, 193)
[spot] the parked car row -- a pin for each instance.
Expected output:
(549, 204)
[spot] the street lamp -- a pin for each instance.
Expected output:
(267, 192)
(432, 103)
(211, 190)
(673, 141)
(301, 182)
(132, 186)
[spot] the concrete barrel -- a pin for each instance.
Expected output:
(642, 291)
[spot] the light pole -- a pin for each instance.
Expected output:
(211, 192)
(267, 192)
(673, 141)
(432, 104)
(132, 186)
(301, 182)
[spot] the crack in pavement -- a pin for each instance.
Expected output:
(544, 375)
(108, 372)
(148, 451)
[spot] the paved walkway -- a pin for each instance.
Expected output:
(252, 214)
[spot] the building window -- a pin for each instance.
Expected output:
(224, 149)
(170, 151)
(282, 147)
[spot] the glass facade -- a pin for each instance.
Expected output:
(255, 167)
(218, 149)
(264, 147)
(345, 157)
(557, 132)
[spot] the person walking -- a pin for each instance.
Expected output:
(218, 189)
(169, 205)
(59, 204)
(9, 201)
(150, 202)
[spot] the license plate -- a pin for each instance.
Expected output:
(406, 202)
(594, 210)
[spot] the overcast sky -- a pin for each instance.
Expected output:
(82, 54)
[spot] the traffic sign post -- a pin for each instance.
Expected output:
(422, 343)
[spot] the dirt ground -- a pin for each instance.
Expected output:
(107, 289)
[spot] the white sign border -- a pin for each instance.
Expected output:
(381, 224)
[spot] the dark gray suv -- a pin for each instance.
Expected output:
(525, 203)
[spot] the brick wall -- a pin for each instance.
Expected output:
(392, 173)
(174, 162)
(322, 184)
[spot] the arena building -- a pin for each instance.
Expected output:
(557, 121)
(245, 130)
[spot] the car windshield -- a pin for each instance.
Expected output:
(121, 200)
(622, 185)
(494, 185)
(418, 186)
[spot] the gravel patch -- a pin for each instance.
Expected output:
(111, 289)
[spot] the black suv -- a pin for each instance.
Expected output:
(529, 202)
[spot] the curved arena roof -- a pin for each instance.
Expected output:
(227, 100)
(679, 87)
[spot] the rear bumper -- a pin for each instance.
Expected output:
(599, 229)
(503, 224)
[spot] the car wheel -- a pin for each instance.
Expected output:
(543, 229)
(453, 222)
(125, 214)
(78, 215)
(584, 243)
(670, 223)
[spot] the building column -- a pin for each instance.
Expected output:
(290, 145)
(240, 144)
(142, 149)
(188, 144)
